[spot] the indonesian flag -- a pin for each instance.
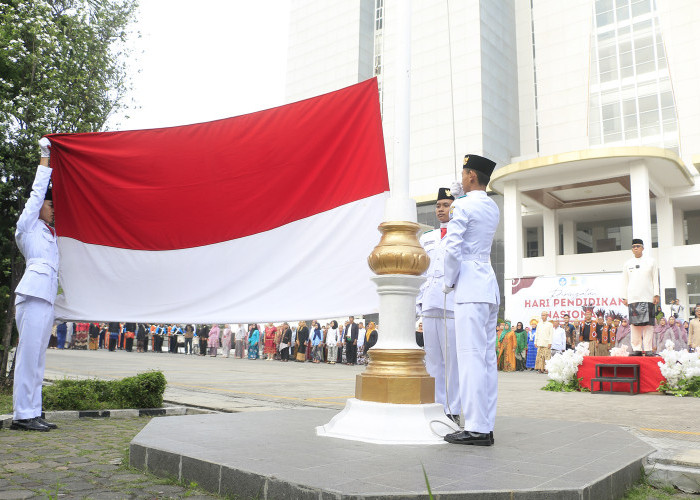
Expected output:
(268, 216)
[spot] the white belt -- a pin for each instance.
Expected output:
(478, 257)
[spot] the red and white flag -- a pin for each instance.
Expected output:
(262, 217)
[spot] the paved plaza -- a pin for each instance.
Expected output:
(230, 384)
(84, 459)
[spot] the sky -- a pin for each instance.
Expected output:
(205, 60)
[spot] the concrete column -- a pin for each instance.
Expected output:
(641, 210)
(550, 228)
(512, 231)
(569, 237)
(678, 236)
(664, 223)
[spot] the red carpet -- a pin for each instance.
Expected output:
(649, 372)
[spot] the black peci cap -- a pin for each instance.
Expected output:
(480, 164)
(445, 194)
(637, 241)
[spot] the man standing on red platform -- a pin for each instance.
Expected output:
(640, 292)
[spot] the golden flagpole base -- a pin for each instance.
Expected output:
(395, 376)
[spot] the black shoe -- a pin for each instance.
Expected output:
(473, 438)
(50, 425)
(28, 424)
(636, 353)
(491, 436)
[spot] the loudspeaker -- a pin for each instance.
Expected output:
(670, 295)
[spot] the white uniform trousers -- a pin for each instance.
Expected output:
(436, 361)
(34, 320)
(642, 338)
(476, 359)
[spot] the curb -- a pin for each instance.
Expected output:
(171, 411)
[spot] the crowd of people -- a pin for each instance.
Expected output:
(330, 343)
(529, 347)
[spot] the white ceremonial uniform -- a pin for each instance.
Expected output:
(430, 304)
(35, 293)
(474, 219)
(640, 283)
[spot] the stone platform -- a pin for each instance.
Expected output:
(277, 455)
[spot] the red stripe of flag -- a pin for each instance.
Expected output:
(194, 185)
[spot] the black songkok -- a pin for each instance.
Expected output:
(637, 241)
(480, 164)
(445, 194)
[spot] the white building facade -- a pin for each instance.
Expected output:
(589, 107)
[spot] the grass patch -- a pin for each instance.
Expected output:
(145, 390)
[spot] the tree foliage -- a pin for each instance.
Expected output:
(62, 69)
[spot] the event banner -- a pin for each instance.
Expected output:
(567, 294)
(263, 217)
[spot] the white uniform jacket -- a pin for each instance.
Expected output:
(474, 219)
(38, 245)
(640, 280)
(430, 295)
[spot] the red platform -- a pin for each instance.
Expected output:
(649, 372)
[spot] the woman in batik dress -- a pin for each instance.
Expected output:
(531, 347)
(226, 341)
(213, 342)
(253, 342)
(521, 346)
(506, 355)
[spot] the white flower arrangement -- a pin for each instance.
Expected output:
(679, 367)
(620, 351)
(563, 367)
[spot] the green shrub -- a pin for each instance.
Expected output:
(145, 390)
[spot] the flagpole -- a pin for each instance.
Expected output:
(394, 399)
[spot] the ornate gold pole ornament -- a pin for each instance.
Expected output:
(398, 250)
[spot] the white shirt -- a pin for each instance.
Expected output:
(430, 296)
(332, 337)
(361, 337)
(468, 249)
(558, 339)
(640, 280)
(544, 333)
(239, 332)
(38, 245)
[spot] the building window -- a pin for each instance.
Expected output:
(631, 99)
(379, 47)
(426, 214)
(691, 227)
(532, 242)
(693, 284)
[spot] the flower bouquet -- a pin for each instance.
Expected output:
(681, 370)
(563, 367)
(620, 351)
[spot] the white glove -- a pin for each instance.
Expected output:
(456, 189)
(447, 289)
(419, 311)
(45, 144)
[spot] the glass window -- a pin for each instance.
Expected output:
(666, 99)
(648, 103)
(605, 18)
(623, 12)
(640, 7)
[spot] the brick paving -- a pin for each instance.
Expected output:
(84, 458)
